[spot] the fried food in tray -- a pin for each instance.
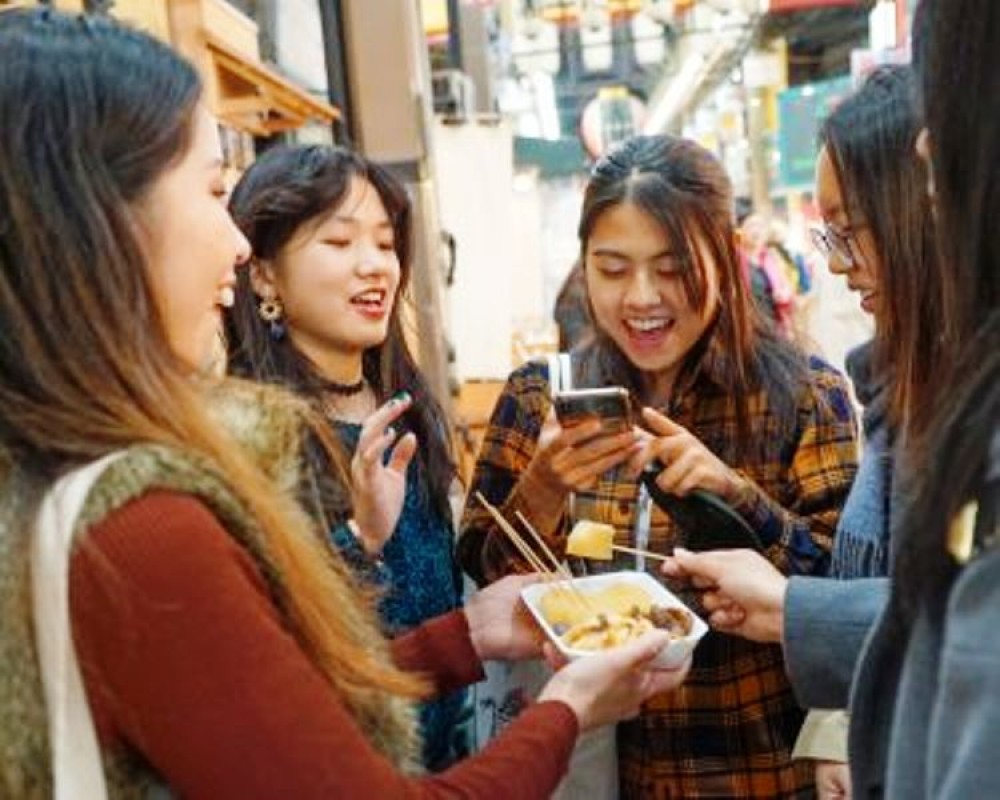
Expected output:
(562, 608)
(604, 630)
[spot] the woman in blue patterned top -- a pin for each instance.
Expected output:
(318, 311)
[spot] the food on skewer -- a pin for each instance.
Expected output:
(591, 540)
(596, 541)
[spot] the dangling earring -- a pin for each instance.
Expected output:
(271, 312)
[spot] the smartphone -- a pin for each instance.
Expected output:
(612, 405)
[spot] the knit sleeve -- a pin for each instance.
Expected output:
(187, 661)
(508, 446)
(442, 649)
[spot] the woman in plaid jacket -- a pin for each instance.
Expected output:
(728, 407)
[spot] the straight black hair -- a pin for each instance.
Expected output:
(286, 189)
(871, 139)
(958, 64)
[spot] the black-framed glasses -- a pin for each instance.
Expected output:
(829, 241)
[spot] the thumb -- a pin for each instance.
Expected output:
(403, 452)
(660, 423)
(699, 565)
(638, 653)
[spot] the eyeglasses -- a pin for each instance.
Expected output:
(829, 241)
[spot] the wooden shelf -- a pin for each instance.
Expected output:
(254, 98)
(244, 93)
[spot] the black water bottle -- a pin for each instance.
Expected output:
(705, 520)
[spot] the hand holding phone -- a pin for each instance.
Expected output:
(585, 433)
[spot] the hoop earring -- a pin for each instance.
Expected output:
(271, 312)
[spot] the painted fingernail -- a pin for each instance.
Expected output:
(401, 398)
(390, 432)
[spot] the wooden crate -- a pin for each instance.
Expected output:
(473, 409)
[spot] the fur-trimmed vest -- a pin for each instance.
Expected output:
(263, 423)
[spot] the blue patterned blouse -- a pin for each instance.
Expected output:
(420, 579)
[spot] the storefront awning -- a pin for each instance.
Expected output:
(253, 98)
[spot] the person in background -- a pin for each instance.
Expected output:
(319, 312)
(876, 234)
(729, 407)
(925, 702)
(224, 648)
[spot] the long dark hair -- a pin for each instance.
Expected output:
(93, 113)
(957, 420)
(685, 190)
(287, 188)
(871, 138)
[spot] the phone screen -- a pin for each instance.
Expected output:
(611, 405)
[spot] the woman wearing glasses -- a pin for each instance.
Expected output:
(925, 698)
(877, 234)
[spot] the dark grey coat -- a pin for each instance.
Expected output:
(925, 705)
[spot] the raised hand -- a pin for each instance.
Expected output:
(689, 465)
(378, 487)
(743, 592)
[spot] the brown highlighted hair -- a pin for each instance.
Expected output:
(686, 192)
(94, 113)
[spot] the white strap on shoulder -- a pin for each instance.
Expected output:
(77, 771)
(560, 372)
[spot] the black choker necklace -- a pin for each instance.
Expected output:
(342, 389)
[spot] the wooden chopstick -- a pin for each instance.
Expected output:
(560, 568)
(543, 546)
(533, 559)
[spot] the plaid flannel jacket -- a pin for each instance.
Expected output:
(729, 731)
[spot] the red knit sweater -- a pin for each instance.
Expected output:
(186, 660)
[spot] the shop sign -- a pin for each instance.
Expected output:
(801, 111)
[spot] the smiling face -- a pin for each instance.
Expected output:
(193, 245)
(636, 289)
(337, 280)
(862, 272)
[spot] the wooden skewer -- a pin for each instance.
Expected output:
(544, 546)
(529, 555)
(560, 568)
(533, 558)
(655, 556)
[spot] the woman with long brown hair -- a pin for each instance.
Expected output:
(224, 649)
(728, 407)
